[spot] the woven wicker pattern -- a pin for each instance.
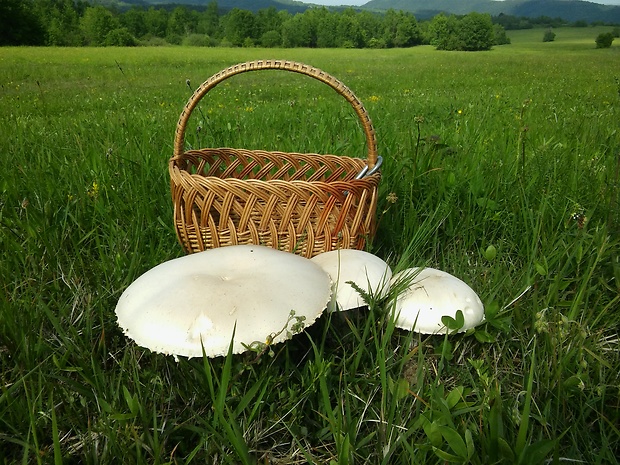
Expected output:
(301, 203)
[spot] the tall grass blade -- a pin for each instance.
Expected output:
(525, 414)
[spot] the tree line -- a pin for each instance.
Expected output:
(79, 23)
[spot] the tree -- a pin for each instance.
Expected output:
(349, 32)
(400, 29)
(371, 25)
(327, 33)
(475, 32)
(268, 19)
(299, 31)
(472, 32)
(209, 20)
(62, 18)
(239, 25)
(96, 23)
(180, 22)
(407, 33)
(134, 20)
(156, 21)
(19, 25)
(442, 32)
(604, 40)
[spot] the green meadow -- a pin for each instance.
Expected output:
(501, 167)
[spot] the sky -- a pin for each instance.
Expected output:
(361, 2)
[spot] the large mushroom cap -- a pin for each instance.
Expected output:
(201, 299)
(431, 294)
(366, 270)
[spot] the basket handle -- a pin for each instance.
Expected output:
(200, 92)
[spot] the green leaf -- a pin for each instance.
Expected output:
(132, 402)
(454, 440)
(105, 406)
(454, 324)
(446, 349)
(483, 336)
(496, 426)
(447, 456)
(490, 253)
(491, 309)
(401, 389)
(540, 269)
(345, 451)
(433, 433)
(469, 442)
(487, 203)
(537, 452)
(460, 319)
(505, 450)
(451, 179)
(454, 397)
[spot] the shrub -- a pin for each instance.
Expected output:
(377, 43)
(153, 41)
(500, 37)
(174, 39)
(271, 39)
(120, 37)
(197, 40)
(549, 36)
(604, 40)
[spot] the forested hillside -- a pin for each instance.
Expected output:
(568, 10)
(292, 6)
(69, 23)
(79, 23)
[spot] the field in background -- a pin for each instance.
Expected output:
(566, 38)
(515, 149)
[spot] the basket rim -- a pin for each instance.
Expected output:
(363, 171)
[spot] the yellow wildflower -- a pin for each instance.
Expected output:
(93, 191)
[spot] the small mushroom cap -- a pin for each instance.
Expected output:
(431, 294)
(366, 270)
(199, 300)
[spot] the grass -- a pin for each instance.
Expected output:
(481, 149)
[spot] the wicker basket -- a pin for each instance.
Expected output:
(300, 203)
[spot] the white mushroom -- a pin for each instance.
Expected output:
(366, 270)
(199, 300)
(431, 294)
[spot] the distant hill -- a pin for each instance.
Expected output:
(570, 10)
